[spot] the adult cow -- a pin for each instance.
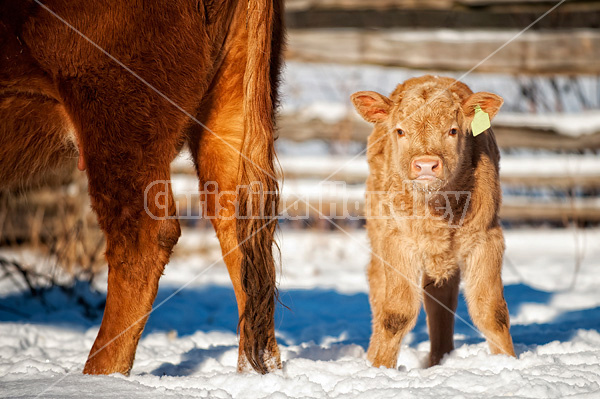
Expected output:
(127, 83)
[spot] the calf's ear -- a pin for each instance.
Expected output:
(372, 106)
(488, 102)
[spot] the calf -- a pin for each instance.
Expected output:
(433, 195)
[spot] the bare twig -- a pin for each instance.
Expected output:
(24, 273)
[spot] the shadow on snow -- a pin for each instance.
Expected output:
(323, 317)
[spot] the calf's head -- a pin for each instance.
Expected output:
(427, 122)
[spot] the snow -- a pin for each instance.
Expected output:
(574, 125)
(189, 348)
(325, 111)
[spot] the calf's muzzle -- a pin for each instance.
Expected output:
(426, 168)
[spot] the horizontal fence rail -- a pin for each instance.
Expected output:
(544, 52)
(491, 14)
(550, 132)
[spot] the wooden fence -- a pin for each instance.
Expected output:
(512, 130)
(334, 186)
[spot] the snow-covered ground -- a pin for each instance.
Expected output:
(189, 345)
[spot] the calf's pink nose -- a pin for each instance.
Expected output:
(426, 166)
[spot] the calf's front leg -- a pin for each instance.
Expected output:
(377, 299)
(396, 315)
(484, 291)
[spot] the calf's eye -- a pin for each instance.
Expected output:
(453, 131)
(400, 132)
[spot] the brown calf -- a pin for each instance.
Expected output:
(433, 194)
(123, 85)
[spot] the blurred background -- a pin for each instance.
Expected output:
(543, 60)
(548, 75)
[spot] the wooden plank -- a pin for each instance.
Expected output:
(529, 211)
(530, 53)
(300, 5)
(511, 137)
(381, 14)
(297, 5)
(523, 5)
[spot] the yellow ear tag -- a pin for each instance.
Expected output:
(481, 121)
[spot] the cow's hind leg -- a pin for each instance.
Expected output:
(440, 304)
(139, 238)
(218, 159)
(128, 146)
(217, 162)
(237, 154)
(137, 249)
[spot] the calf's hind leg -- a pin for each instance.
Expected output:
(440, 305)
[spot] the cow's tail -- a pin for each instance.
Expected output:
(258, 194)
